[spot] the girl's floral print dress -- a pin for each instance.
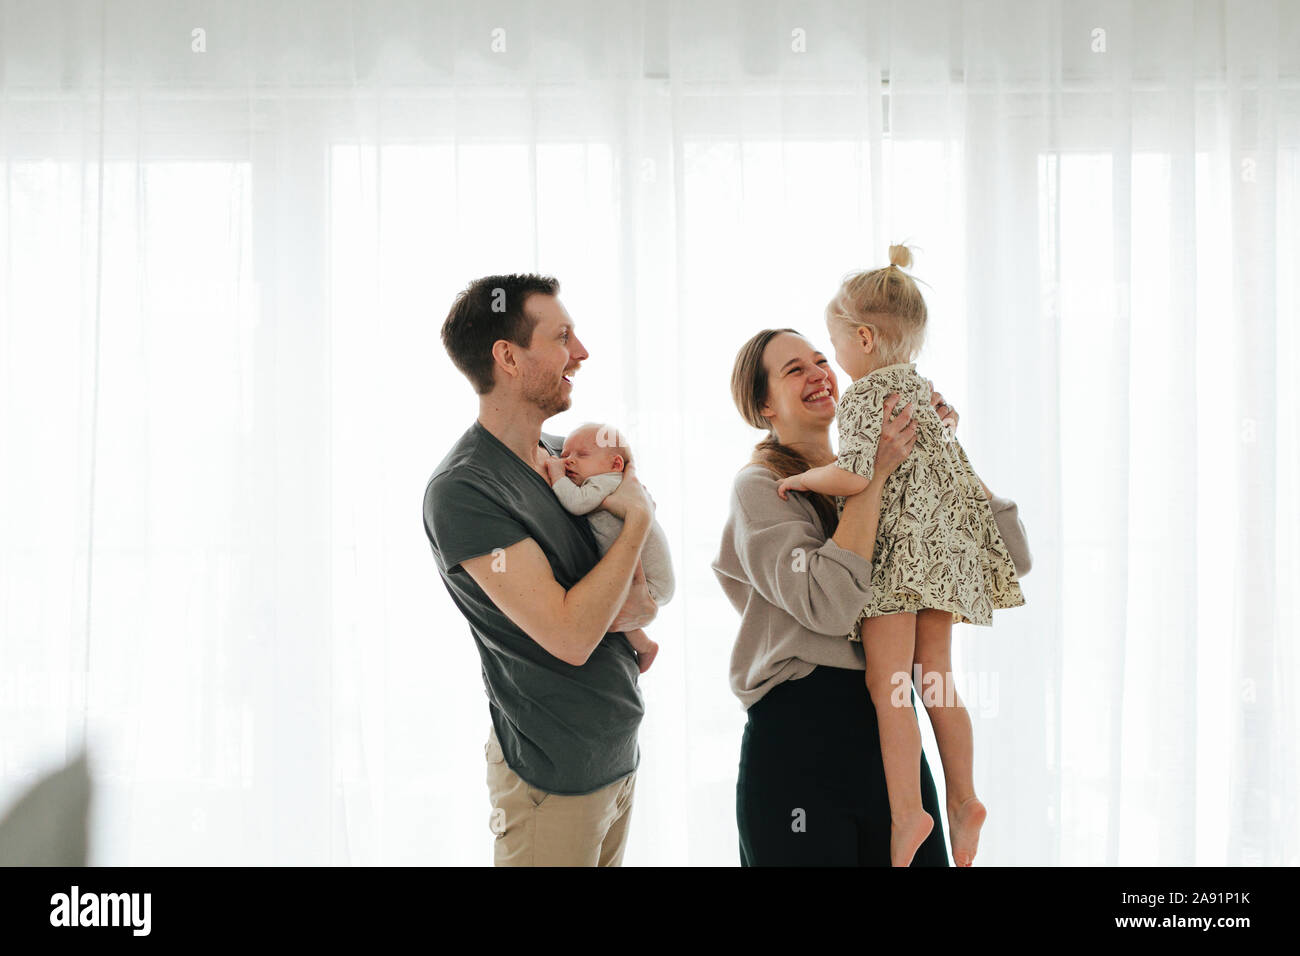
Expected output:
(937, 545)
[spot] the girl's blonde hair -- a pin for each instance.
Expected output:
(886, 301)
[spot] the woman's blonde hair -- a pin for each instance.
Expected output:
(886, 301)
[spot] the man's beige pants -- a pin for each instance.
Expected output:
(536, 828)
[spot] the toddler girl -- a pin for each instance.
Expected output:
(938, 557)
(589, 468)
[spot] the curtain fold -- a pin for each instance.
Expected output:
(229, 232)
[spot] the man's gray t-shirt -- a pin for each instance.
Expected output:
(563, 729)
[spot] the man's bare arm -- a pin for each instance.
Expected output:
(639, 609)
(568, 624)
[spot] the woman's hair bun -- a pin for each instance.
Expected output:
(900, 256)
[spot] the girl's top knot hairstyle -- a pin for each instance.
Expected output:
(888, 302)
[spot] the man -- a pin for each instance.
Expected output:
(545, 610)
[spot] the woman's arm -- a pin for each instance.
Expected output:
(786, 557)
(860, 519)
(1007, 515)
(779, 549)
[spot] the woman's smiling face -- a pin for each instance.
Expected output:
(801, 386)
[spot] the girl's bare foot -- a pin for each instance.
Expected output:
(647, 657)
(906, 834)
(964, 822)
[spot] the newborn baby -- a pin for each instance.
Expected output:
(590, 467)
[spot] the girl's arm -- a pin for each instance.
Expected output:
(781, 552)
(867, 434)
(828, 480)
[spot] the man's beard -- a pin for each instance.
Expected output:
(546, 394)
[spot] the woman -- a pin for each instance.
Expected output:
(811, 789)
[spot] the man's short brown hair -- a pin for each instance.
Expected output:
(487, 310)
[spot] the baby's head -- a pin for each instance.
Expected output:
(877, 318)
(594, 449)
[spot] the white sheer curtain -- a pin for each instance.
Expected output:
(230, 232)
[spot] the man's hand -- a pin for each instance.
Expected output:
(639, 609)
(628, 496)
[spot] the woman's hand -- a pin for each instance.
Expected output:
(897, 438)
(947, 414)
(793, 483)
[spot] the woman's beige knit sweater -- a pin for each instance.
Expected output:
(797, 591)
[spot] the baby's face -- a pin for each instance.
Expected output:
(584, 457)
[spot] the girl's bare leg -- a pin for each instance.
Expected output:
(952, 730)
(889, 643)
